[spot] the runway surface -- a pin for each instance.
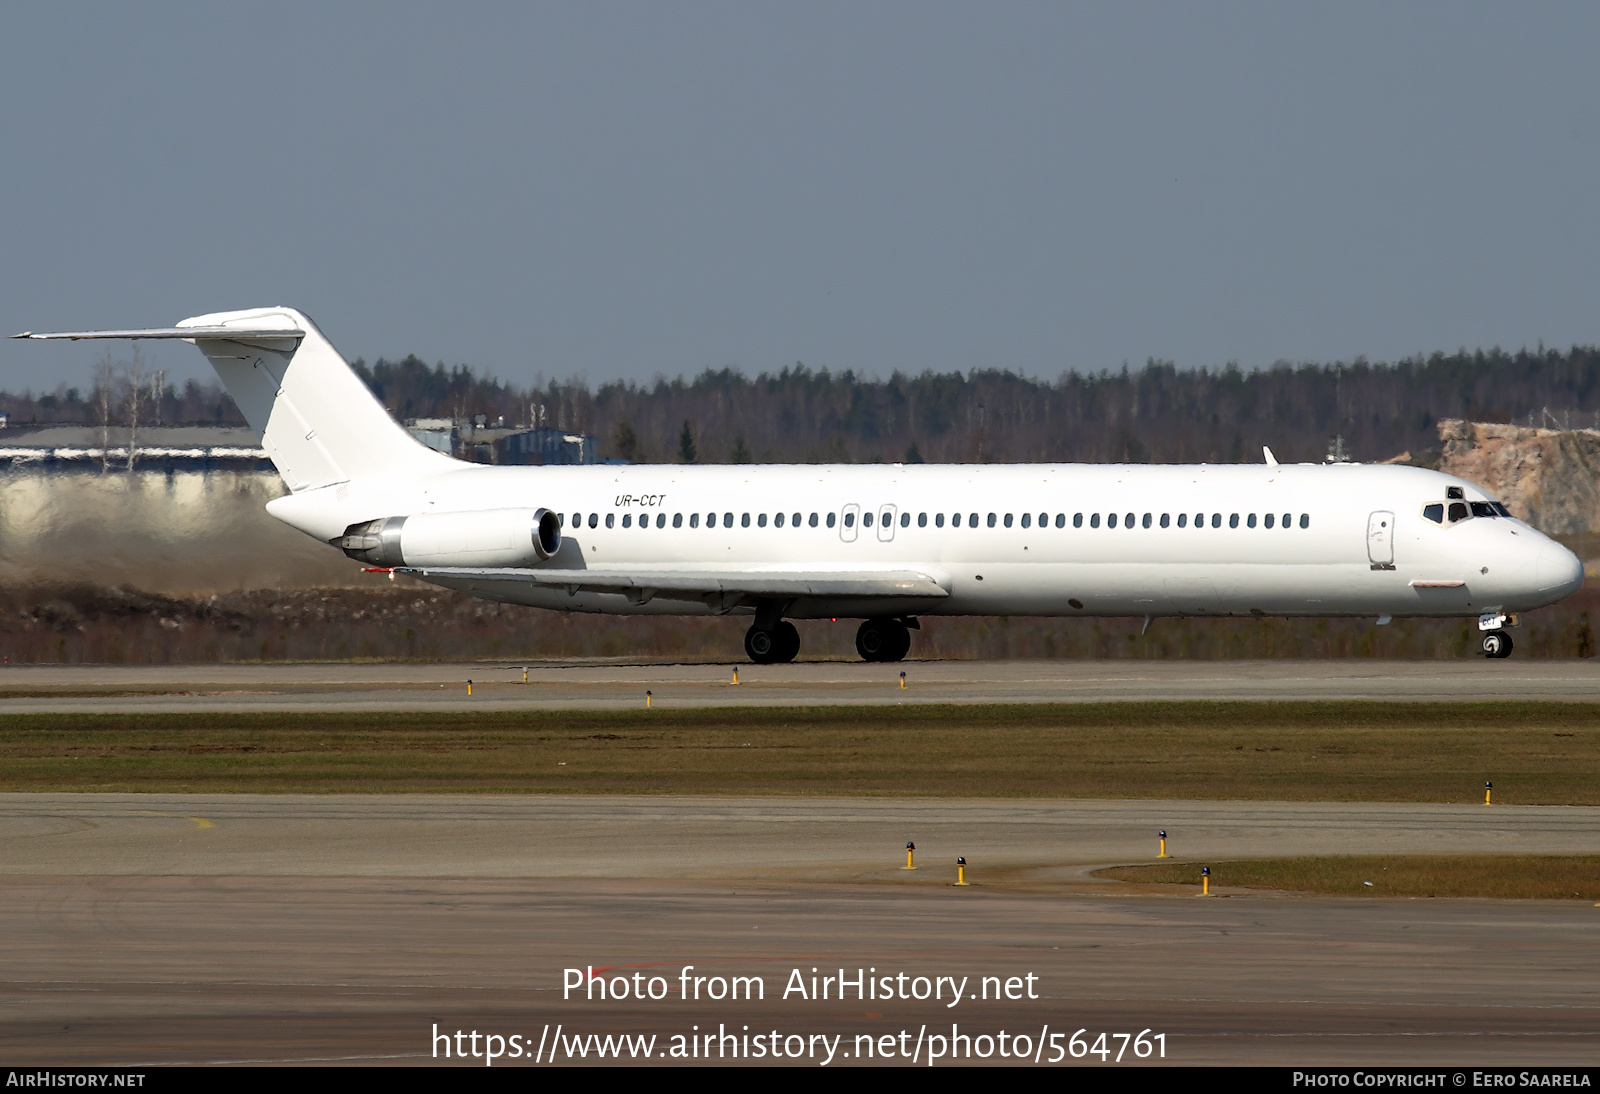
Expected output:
(777, 839)
(588, 685)
(145, 929)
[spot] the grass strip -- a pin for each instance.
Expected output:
(1521, 877)
(1536, 753)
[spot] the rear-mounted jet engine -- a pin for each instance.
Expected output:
(494, 537)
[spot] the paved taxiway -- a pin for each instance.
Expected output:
(590, 685)
(168, 928)
(778, 839)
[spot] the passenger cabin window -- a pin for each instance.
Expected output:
(1077, 520)
(694, 520)
(777, 521)
(1216, 520)
(677, 520)
(905, 519)
(938, 520)
(1094, 520)
(744, 520)
(1027, 520)
(1305, 520)
(1166, 519)
(1007, 520)
(727, 520)
(1111, 520)
(1146, 521)
(1268, 520)
(866, 519)
(831, 518)
(813, 521)
(797, 520)
(611, 520)
(761, 521)
(1183, 520)
(849, 520)
(922, 520)
(594, 520)
(1250, 521)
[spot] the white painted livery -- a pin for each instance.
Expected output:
(883, 543)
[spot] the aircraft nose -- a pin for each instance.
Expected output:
(1558, 570)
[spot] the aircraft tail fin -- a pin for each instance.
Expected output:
(318, 422)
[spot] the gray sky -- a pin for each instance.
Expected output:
(621, 190)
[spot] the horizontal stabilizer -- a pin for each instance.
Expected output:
(232, 334)
(696, 584)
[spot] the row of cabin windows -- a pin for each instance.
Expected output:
(1127, 520)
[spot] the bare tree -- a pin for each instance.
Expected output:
(158, 390)
(105, 374)
(135, 396)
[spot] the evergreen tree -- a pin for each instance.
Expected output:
(625, 442)
(686, 449)
(740, 453)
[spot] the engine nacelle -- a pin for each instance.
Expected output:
(487, 538)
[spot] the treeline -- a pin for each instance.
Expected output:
(1158, 413)
(194, 403)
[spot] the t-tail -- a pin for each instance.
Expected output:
(318, 422)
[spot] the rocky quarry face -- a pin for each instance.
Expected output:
(1548, 477)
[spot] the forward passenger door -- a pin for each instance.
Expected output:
(1380, 540)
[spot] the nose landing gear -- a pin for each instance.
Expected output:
(1496, 644)
(771, 647)
(883, 640)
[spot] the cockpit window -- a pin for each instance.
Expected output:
(1458, 511)
(1501, 509)
(1483, 509)
(1434, 512)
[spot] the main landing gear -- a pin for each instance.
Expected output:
(883, 640)
(774, 646)
(876, 640)
(1496, 644)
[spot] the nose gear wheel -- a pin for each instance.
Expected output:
(1497, 644)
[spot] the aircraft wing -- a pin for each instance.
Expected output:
(730, 586)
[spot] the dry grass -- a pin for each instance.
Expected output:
(1525, 877)
(1536, 753)
(409, 621)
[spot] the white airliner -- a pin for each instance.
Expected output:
(885, 544)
